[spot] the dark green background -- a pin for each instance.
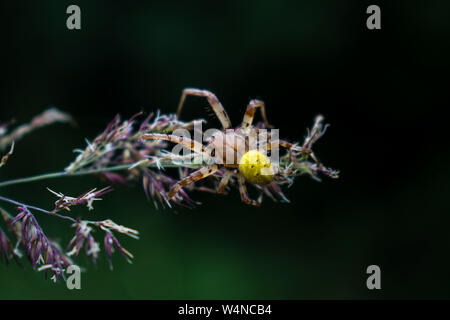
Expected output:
(383, 92)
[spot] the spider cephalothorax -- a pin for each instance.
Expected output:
(238, 152)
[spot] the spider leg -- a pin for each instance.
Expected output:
(188, 143)
(224, 182)
(243, 191)
(267, 146)
(193, 177)
(283, 143)
(213, 101)
(250, 114)
(289, 146)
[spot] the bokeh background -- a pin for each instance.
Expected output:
(384, 93)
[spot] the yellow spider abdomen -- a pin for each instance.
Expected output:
(256, 167)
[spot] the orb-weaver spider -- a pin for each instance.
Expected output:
(249, 163)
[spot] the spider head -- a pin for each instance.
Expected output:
(256, 167)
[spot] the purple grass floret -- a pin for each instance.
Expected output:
(6, 247)
(45, 254)
(39, 249)
(120, 144)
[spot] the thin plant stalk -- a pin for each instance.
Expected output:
(62, 174)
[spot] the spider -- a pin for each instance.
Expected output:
(249, 160)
